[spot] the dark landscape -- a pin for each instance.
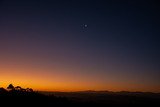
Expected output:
(19, 97)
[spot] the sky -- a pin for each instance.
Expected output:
(72, 45)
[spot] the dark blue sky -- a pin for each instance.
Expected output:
(121, 40)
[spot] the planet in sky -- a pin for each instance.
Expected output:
(84, 26)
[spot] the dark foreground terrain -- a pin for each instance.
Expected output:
(67, 99)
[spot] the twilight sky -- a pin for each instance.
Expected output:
(70, 45)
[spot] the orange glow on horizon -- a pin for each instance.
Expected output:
(43, 84)
(39, 80)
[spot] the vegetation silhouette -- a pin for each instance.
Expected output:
(27, 97)
(10, 87)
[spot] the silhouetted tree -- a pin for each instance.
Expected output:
(11, 87)
(18, 88)
(2, 90)
(29, 89)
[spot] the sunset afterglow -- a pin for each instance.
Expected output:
(74, 46)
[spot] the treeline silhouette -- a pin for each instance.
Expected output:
(27, 97)
(16, 91)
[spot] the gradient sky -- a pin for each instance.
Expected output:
(70, 45)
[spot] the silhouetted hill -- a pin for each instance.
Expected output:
(107, 98)
(24, 98)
